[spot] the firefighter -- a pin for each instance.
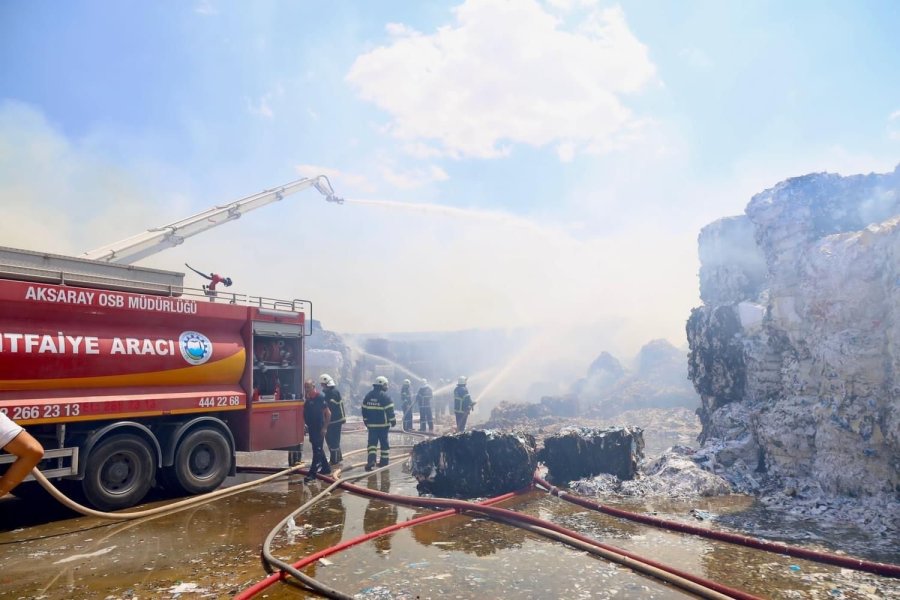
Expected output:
(338, 417)
(406, 405)
(423, 398)
(317, 415)
(27, 450)
(378, 416)
(462, 403)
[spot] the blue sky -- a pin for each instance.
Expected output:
(562, 155)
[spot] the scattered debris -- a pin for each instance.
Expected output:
(187, 587)
(75, 557)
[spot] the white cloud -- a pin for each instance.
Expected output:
(413, 178)
(397, 29)
(421, 150)
(205, 8)
(567, 5)
(566, 152)
(262, 106)
(508, 73)
(894, 125)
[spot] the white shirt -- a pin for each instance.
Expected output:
(8, 430)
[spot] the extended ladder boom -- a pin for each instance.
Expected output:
(150, 242)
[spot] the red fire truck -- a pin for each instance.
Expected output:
(127, 378)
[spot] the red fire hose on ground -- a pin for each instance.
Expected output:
(878, 568)
(687, 581)
(280, 575)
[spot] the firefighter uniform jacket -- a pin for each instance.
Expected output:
(336, 404)
(378, 409)
(462, 402)
(423, 397)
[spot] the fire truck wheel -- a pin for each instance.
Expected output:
(202, 462)
(119, 472)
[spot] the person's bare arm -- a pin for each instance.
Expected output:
(29, 452)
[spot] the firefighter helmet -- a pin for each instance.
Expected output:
(424, 382)
(406, 382)
(326, 380)
(382, 381)
(462, 380)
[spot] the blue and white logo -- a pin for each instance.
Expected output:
(195, 347)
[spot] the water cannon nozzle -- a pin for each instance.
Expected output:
(324, 186)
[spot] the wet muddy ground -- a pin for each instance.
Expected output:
(212, 550)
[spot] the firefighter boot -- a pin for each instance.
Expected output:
(294, 458)
(334, 458)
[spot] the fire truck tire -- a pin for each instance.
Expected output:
(119, 472)
(202, 462)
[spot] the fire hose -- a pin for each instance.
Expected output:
(687, 581)
(121, 516)
(266, 554)
(175, 506)
(878, 568)
(273, 578)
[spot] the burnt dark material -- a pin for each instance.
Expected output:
(581, 452)
(716, 361)
(474, 464)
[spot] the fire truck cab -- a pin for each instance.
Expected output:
(129, 379)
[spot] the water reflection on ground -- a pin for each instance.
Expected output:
(212, 551)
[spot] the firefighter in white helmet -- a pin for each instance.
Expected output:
(406, 405)
(378, 416)
(462, 403)
(338, 417)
